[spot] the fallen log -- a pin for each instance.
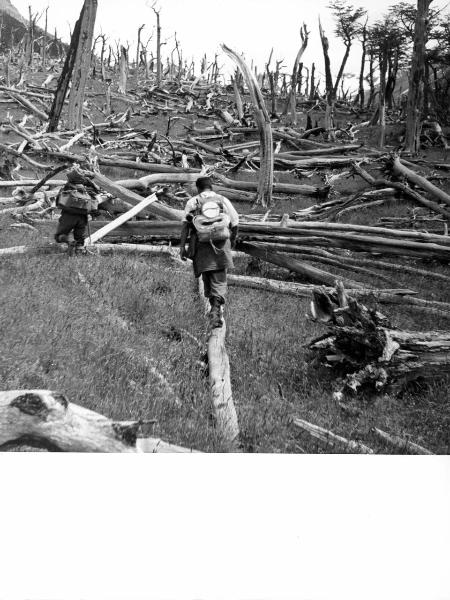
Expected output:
(301, 268)
(320, 151)
(282, 188)
(143, 183)
(219, 380)
(157, 208)
(46, 419)
(27, 105)
(400, 169)
(410, 193)
(398, 443)
(328, 439)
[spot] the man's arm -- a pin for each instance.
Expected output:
(234, 221)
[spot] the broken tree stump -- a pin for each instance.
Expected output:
(368, 353)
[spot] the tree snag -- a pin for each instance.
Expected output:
(417, 80)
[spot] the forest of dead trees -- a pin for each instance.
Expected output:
(292, 117)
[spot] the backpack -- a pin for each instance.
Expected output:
(76, 198)
(211, 223)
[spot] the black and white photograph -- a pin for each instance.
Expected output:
(224, 300)
(224, 226)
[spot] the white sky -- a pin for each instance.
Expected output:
(248, 26)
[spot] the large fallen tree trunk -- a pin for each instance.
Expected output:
(400, 169)
(143, 183)
(282, 188)
(267, 232)
(363, 347)
(44, 419)
(301, 268)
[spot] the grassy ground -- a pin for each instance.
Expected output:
(93, 327)
(96, 329)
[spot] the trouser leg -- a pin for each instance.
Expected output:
(206, 284)
(218, 285)
(79, 230)
(217, 291)
(65, 225)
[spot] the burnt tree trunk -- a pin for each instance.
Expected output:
(82, 64)
(65, 77)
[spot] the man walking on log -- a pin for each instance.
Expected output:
(210, 225)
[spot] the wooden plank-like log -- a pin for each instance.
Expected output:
(101, 233)
(46, 419)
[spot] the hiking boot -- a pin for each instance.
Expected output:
(215, 315)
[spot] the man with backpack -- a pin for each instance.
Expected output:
(210, 225)
(77, 199)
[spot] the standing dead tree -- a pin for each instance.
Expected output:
(82, 64)
(123, 70)
(262, 118)
(360, 97)
(292, 98)
(76, 68)
(138, 53)
(330, 93)
(158, 46)
(417, 80)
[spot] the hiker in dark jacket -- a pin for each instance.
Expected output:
(210, 225)
(77, 199)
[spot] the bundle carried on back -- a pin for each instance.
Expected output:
(80, 194)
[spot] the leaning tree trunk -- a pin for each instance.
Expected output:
(81, 66)
(416, 80)
(262, 118)
(138, 54)
(292, 98)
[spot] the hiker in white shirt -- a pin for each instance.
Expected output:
(210, 225)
